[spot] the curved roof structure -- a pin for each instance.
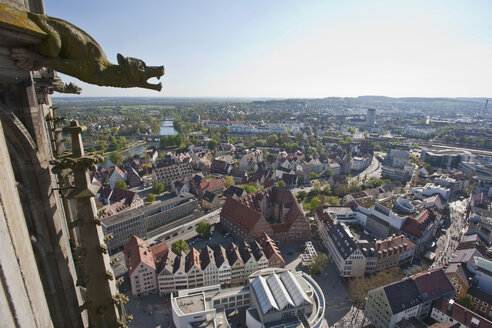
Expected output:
(278, 291)
(294, 288)
(281, 294)
(403, 206)
(263, 294)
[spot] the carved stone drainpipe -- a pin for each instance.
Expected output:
(103, 302)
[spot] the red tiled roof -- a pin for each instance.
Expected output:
(393, 245)
(159, 251)
(460, 313)
(415, 226)
(211, 184)
(119, 171)
(280, 227)
(137, 251)
(269, 246)
(324, 217)
(193, 259)
(245, 212)
(114, 208)
(433, 282)
(242, 215)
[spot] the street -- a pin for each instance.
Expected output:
(448, 241)
(373, 170)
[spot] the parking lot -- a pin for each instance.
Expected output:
(217, 237)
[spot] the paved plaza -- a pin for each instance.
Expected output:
(340, 311)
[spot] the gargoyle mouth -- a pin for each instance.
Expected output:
(157, 72)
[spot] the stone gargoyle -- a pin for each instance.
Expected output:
(61, 87)
(69, 50)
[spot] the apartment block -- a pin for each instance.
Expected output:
(344, 253)
(171, 173)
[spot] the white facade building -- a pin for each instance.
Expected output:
(344, 253)
(360, 163)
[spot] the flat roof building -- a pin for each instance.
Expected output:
(123, 226)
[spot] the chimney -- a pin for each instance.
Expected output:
(450, 305)
(474, 322)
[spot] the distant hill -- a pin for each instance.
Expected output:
(381, 103)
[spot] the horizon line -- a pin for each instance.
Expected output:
(268, 98)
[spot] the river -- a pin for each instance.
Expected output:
(166, 129)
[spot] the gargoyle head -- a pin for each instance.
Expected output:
(72, 88)
(137, 73)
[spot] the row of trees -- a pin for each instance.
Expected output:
(180, 246)
(318, 196)
(116, 158)
(173, 141)
(250, 187)
(106, 144)
(355, 186)
(359, 287)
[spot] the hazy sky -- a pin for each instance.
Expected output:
(295, 48)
